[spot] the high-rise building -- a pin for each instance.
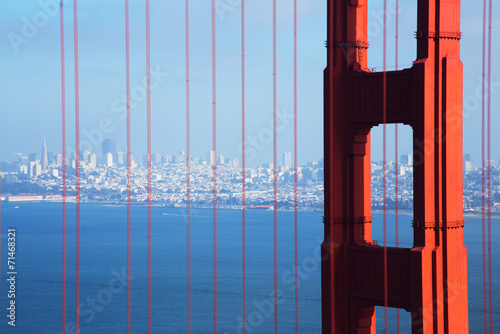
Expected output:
(17, 157)
(211, 158)
(108, 146)
(85, 156)
(120, 158)
(23, 169)
(406, 159)
(287, 160)
(93, 160)
(109, 160)
(52, 157)
(24, 161)
(59, 159)
(34, 169)
(156, 158)
(45, 159)
(220, 159)
(468, 166)
(32, 157)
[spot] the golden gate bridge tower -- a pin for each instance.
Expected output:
(430, 279)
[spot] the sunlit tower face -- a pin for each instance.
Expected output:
(428, 97)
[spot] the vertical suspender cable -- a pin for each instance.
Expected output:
(188, 172)
(129, 190)
(396, 166)
(483, 170)
(148, 78)
(77, 160)
(214, 163)
(243, 170)
(295, 201)
(385, 168)
(63, 118)
(275, 179)
(489, 167)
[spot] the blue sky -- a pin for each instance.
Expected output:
(30, 89)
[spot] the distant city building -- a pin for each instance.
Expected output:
(468, 166)
(24, 161)
(489, 163)
(52, 157)
(406, 159)
(211, 158)
(167, 159)
(155, 158)
(234, 162)
(179, 158)
(109, 159)
(17, 157)
(404, 169)
(45, 159)
(32, 157)
(23, 170)
(34, 169)
(120, 158)
(467, 157)
(287, 160)
(59, 159)
(220, 159)
(108, 146)
(9, 167)
(85, 156)
(93, 160)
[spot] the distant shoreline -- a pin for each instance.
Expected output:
(466, 214)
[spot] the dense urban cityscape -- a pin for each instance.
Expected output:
(103, 179)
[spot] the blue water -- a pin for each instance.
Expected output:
(103, 262)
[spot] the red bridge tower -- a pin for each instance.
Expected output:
(430, 279)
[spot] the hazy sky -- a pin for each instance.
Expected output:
(30, 85)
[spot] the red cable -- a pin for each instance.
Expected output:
(275, 178)
(295, 200)
(214, 165)
(129, 190)
(243, 170)
(63, 98)
(188, 173)
(385, 169)
(77, 161)
(489, 167)
(148, 78)
(483, 204)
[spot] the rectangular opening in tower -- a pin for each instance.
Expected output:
(398, 182)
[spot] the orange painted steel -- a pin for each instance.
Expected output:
(430, 279)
